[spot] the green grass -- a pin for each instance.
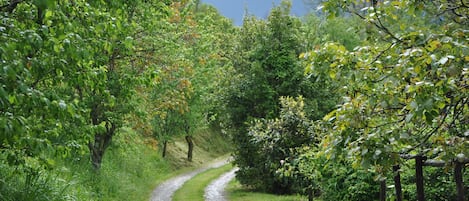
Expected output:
(194, 189)
(236, 192)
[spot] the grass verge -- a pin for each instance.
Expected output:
(194, 189)
(236, 192)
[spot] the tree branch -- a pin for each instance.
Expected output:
(11, 6)
(464, 4)
(384, 28)
(381, 53)
(427, 137)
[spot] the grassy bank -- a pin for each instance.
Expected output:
(133, 166)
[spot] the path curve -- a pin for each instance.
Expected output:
(165, 191)
(215, 191)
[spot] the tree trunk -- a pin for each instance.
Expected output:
(419, 178)
(382, 190)
(310, 194)
(99, 145)
(459, 180)
(397, 182)
(190, 144)
(165, 143)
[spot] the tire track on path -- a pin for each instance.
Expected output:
(215, 191)
(165, 191)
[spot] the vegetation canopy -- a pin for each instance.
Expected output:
(332, 105)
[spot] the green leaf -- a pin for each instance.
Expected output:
(408, 117)
(62, 105)
(332, 74)
(12, 99)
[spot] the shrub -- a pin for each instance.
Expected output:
(274, 141)
(30, 182)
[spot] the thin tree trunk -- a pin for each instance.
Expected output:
(165, 143)
(310, 194)
(397, 182)
(419, 178)
(382, 190)
(190, 144)
(459, 180)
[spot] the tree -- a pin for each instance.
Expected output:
(76, 57)
(406, 88)
(266, 68)
(211, 54)
(170, 92)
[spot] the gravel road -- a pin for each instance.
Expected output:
(215, 191)
(165, 191)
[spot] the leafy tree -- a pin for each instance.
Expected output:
(184, 54)
(405, 87)
(266, 68)
(72, 65)
(172, 89)
(62, 88)
(213, 68)
(109, 101)
(209, 48)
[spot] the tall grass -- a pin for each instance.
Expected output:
(23, 183)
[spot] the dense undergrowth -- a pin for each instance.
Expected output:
(130, 170)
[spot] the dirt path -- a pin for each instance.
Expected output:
(165, 191)
(215, 191)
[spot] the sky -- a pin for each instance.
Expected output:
(235, 9)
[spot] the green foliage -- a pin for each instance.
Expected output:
(439, 182)
(186, 51)
(267, 65)
(332, 181)
(68, 80)
(266, 68)
(213, 65)
(30, 182)
(342, 182)
(403, 92)
(167, 126)
(131, 159)
(37, 104)
(273, 142)
(70, 84)
(350, 32)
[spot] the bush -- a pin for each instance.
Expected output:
(439, 183)
(30, 182)
(274, 141)
(342, 182)
(330, 179)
